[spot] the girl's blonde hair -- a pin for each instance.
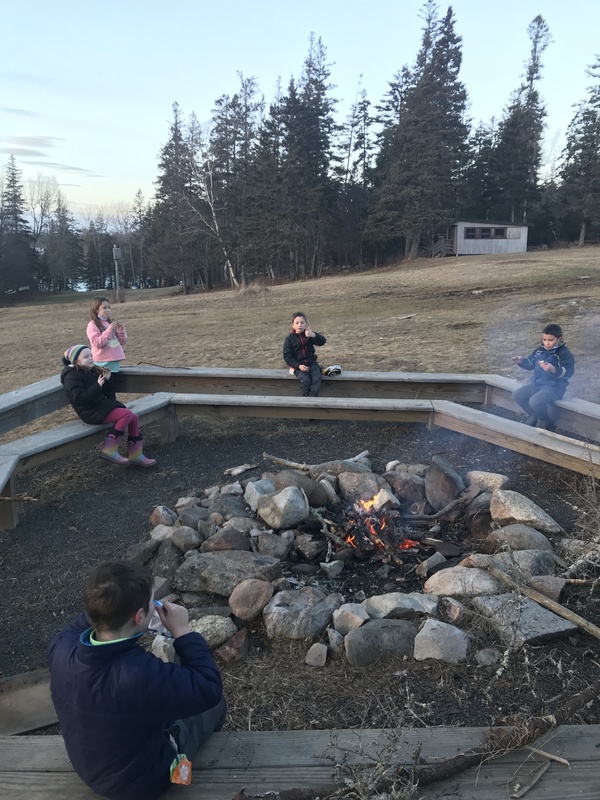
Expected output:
(96, 303)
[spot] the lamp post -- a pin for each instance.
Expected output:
(116, 258)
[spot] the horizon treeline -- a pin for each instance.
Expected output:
(284, 190)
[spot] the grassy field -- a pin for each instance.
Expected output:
(471, 314)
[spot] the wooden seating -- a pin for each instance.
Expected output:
(63, 440)
(37, 767)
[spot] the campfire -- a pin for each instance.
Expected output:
(378, 535)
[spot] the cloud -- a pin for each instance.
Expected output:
(23, 112)
(62, 167)
(32, 141)
(18, 151)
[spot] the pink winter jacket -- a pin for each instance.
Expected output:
(106, 346)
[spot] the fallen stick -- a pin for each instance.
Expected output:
(582, 623)
(19, 498)
(307, 467)
(531, 782)
(499, 742)
(549, 756)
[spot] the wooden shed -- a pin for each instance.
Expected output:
(469, 238)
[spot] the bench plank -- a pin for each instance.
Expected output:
(31, 402)
(37, 767)
(544, 445)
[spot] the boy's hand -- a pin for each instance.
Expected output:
(546, 366)
(310, 333)
(303, 368)
(174, 618)
(517, 359)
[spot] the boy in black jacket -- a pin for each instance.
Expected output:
(125, 715)
(299, 354)
(553, 365)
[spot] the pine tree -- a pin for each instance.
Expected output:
(516, 161)
(580, 173)
(63, 250)
(420, 171)
(17, 256)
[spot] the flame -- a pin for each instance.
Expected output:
(367, 505)
(407, 544)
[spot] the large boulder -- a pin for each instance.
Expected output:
(315, 493)
(219, 573)
(284, 509)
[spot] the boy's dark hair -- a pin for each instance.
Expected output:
(114, 591)
(298, 314)
(553, 330)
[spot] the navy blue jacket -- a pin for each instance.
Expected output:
(114, 702)
(560, 357)
(299, 348)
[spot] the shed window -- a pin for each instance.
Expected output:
(470, 233)
(499, 233)
(485, 233)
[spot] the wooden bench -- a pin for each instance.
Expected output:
(64, 440)
(37, 767)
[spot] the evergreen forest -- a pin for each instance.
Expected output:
(288, 188)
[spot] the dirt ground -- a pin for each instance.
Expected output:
(471, 315)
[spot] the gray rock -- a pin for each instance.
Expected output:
(461, 582)
(167, 560)
(244, 524)
(161, 532)
(317, 655)
(407, 486)
(520, 565)
(442, 483)
(425, 567)
(315, 493)
(397, 605)
(333, 569)
(162, 515)
(308, 547)
(216, 630)
(508, 507)
(336, 640)
(256, 489)
(299, 614)
(516, 537)
(548, 585)
(219, 573)
(232, 488)
(337, 467)
(206, 528)
(332, 498)
(357, 486)
(270, 544)
(249, 598)
(348, 617)
(284, 509)
(230, 505)
(441, 642)
(186, 538)
(487, 481)
(192, 516)
(519, 620)
(379, 639)
(226, 539)
(143, 551)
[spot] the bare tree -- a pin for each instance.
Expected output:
(41, 195)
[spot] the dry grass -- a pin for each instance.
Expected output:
(472, 314)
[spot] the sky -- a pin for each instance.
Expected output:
(87, 87)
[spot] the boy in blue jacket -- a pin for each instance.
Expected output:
(126, 716)
(552, 364)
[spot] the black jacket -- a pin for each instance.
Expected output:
(114, 702)
(560, 357)
(300, 349)
(85, 394)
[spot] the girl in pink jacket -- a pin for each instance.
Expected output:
(107, 338)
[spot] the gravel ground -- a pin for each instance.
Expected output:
(88, 511)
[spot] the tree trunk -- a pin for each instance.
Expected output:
(581, 241)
